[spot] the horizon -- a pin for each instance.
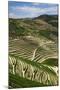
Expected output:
(33, 17)
(21, 10)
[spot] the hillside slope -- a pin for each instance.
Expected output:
(51, 19)
(33, 50)
(32, 27)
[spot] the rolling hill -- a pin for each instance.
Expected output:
(33, 51)
(51, 19)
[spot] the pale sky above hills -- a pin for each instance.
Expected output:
(30, 9)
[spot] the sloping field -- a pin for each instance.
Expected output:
(16, 81)
(33, 52)
(33, 62)
(39, 72)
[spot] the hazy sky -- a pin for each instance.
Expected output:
(30, 9)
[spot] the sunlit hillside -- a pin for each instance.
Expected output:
(33, 51)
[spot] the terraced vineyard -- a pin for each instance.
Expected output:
(33, 53)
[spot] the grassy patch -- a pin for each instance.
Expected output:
(51, 62)
(16, 81)
(36, 64)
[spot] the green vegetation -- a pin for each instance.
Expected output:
(51, 62)
(38, 65)
(16, 81)
(51, 19)
(47, 33)
(33, 27)
(33, 52)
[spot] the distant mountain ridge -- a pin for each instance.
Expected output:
(51, 19)
(45, 16)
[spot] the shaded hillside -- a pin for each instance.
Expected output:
(19, 82)
(40, 26)
(51, 19)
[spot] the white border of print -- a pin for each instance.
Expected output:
(4, 44)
